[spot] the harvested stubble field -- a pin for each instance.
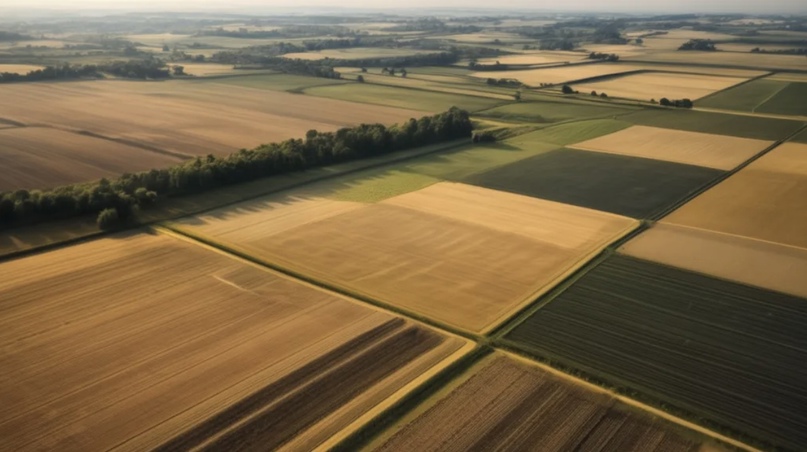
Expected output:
(547, 109)
(691, 148)
(355, 53)
(278, 82)
(185, 117)
(457, 254)
(727, 354)
(507, 404)
(19, 68)
(740, 259)
(542, 57)
(142, 341)
(34, 157)
(655, 85)
(764, 201)
(719, 123)
(630, 186)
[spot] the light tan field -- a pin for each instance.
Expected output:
(692, 148)
(188, 117)
(789, 77)
(535, 58)
(744, 260)
(749, 60)
(508, 404)
(53, 43)
(674, 38)
(205, 69)
(655, 85)
(763, 201)
(554, 75)
(488, 37)
(33, 157)
(137, 341)
(459, 254)
(354, 53)
(746, 47)
(19, 68)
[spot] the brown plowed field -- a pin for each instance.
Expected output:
(180, 117)
(142, 341)
(34, 157)
(460, 254)
(507, 404)
(748, 261)
(763, 201)
(692, 148)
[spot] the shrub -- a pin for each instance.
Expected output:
(108, 219)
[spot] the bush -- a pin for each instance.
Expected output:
(108, 219)
(484, 137)
(567, 89)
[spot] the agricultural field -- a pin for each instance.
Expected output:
(355, 53)
(763, 96)
(19, 68)
(759, 128)
(181, 118)
(727, 355)
(277, 82)
(406, 98)
(655, 85)
(734, 59)
(467, 87)
(692, 148)
(212, 69)
(505, 403)
(35, 157)
(746, 261)
(142, 341)
(763, 201)
(461, 255)
(549, 110)
(634, 187)
(541, 57)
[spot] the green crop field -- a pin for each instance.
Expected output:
(745, 97)
(728, 355)
(801, 137)
(278, 82)
(719, 123)
(552, 111)
(630, 186)
(404, 97)
(790, 101)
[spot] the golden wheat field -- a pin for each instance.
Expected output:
(462, 255)
(655, 85)
(503, 403)
(19, 68)
(740, 59)
(138, 341)
(542, 57)
(34, 157)
(763, 201)
(692, 148)
(744, 260)
(185, 117)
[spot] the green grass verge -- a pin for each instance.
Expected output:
(409, 98)
(573, 132)
(790, 101)
(745, 97)
(718, 123)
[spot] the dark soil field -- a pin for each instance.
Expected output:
(730, 355)
(630, 186)
(719, 123)
(515, 406)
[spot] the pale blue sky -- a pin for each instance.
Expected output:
(768, 6)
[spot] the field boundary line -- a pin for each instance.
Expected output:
(345, 292)
(754, 110)
(750, 114)
(537, 294)
(388, 403)
(525, 358)
(721, 178)
(376, 426)
(752, 79)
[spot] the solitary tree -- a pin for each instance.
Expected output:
(665, 102)
(360, 79)
(165, 48)
(593, 93)
(567, 89)
(603, 95)
(403, 72)
(179, 70)
(517, 96)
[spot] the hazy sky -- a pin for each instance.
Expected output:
(756, 6)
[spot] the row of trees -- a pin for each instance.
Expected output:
(146, 188)
(800, 51)
(704, 45)
(151, 68)
(678, 103)
(603, 56)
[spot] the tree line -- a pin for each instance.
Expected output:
(704, 45)
(114, 200)
(151, 68)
